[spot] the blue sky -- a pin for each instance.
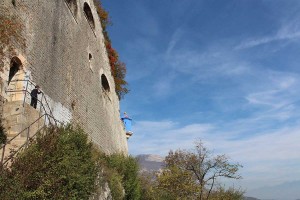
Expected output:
(226, 72)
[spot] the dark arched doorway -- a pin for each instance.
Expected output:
(105, 83)
(88, 13)
(15, 66)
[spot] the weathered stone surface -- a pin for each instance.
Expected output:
(58, 43)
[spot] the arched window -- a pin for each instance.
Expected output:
(15, 66)
(90, 61)
(105, 83)
(72, 4)
(88, 13)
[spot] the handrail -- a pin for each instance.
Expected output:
(46, 115)
(41, 104)
(26, 91)
(3, 147)
(10, 156)
(22, 131)
(28, 137)
(48, 106)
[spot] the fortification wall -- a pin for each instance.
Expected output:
(65, 54)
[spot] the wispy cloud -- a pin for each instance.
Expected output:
(257, 153)
(278, 91)
(205, 65)
(242, 103)
(174, 39)
(288, 31)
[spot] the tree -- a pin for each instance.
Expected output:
(127, 167)
(229, 194)
(199, 171)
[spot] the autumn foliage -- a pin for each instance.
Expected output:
(118, 68)
(10, 35)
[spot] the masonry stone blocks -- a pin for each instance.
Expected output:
(66, 56)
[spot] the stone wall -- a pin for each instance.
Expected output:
(66, 56)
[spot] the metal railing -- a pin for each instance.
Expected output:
(44, 109)
(13, 152)
(45, 114)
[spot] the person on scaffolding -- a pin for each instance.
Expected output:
(34, 96)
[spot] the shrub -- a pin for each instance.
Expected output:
(127, 167)
(61, 164)
(57, 165)
(115, 185)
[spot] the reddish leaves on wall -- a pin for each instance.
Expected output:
(118, 68)
(10, 35)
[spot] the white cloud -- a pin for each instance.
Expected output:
(174, 39)
(264, 154)
(208, 64)
(277, 90)
(288, 31)
(158, 137)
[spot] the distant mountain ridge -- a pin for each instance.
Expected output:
(250, 198)
(284, 191)
(150, 162)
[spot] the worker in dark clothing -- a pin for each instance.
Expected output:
(34, 96)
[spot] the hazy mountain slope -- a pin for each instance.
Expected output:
(250, 198)
(150, 162)
(285, 191)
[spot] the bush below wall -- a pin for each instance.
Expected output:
(62, 164)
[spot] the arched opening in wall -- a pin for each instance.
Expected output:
(90, 61)
(88, 13)
(13, 3)
(105, 83)
(72, 4)
(15, 66)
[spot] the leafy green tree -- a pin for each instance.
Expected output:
(177, 183)
(128, 168)
(148, 186)
(227, 194)
(193, 174)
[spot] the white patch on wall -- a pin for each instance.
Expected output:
(45, 104)
(61, 113)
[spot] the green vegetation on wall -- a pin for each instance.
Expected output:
(62, 164)
(127, 169)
